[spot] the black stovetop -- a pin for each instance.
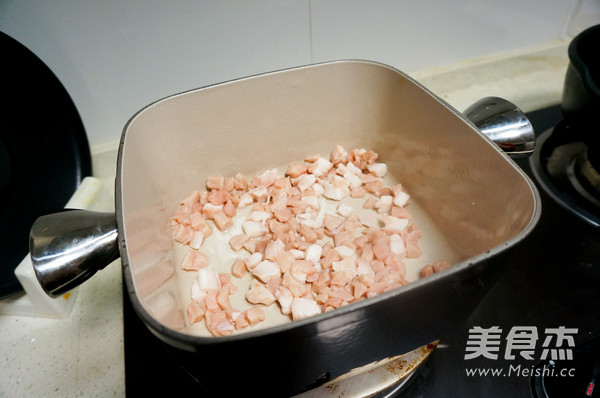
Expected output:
(552, 281)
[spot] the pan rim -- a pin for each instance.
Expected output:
(190, 342)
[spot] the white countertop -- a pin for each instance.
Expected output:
(83, 354)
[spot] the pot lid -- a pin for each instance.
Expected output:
(44, 152)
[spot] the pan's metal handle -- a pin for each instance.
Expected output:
(505, 124)
(69, 247)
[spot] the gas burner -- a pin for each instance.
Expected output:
(569, 378)
(586, 174)
(568, 171)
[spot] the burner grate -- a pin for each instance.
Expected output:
(563, 168)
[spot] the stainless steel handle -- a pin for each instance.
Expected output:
(505, 124)
(68, 247)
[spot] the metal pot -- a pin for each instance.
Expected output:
(581, 93)
(571, 154)
(473, 202)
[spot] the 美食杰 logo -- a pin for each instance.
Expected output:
(557, 342)
(521, 342)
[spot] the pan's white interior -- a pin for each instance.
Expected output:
(466, 196)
